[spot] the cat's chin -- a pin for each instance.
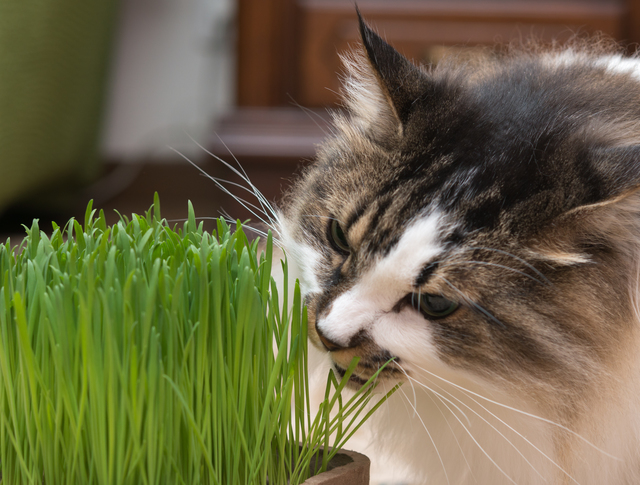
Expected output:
(359, 379)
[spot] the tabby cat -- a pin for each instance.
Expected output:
(479, 223)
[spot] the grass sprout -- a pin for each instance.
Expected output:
(143, 354)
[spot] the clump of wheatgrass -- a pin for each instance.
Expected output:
(143, 354)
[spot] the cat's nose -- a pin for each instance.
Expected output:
(329, 344)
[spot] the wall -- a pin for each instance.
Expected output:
(172, 76)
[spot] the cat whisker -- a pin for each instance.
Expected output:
(446, 420)
(429, 435)
(240, 199)
(253, 229)
(245, 204)
(413, 389)
(516, 432)
(519, 411)
(517, 258)
(412, 380)
(501, 434)
(474, 440)
(488, 263)
(252, 208)
(268, 209)
(244, 175)
(311, 113)
(473, 303)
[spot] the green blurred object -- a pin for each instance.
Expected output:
(54, 56)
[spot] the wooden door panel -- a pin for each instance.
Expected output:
(328, 27)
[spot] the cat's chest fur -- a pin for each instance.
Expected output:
(480, 225)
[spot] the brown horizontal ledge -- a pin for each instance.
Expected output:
(270, 132)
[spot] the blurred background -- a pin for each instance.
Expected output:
(106, 99)
(98, 98)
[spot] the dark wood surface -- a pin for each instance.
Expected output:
(288, 55)
(288, 49)
(278, 133)
(420, 30)
(265, 51)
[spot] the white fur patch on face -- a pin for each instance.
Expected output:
(368, 304)
(306, 260)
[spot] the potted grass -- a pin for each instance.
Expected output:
(143, 354)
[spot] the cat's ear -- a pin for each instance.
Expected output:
(381, 85)
(614, 175)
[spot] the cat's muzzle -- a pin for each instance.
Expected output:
(365, 369)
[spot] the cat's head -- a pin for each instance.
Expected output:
(478, 218)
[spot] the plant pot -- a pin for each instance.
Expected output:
(346, 468)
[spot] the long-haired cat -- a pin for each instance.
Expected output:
(479, 223)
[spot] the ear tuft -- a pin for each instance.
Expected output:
(617, 171)
(401, 81)
(381, 86)
(365, 99)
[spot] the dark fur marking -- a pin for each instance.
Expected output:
(425, 274)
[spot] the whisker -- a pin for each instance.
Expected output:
(428, 434)
(472, 303)
(453, 433)
(519, 411)
(229, 220)
(500, 433)
(225, 190)
(506, 253)
(453, 404)
(512, 429)
(479, 446)
(266, 205)
(413, 388)
(240, 199)
(311, 113)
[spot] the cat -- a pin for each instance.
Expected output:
(478, 222)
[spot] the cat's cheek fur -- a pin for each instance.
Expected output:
(407, 336)
(305, 259)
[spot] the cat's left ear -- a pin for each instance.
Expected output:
(614, 175)
(382, 86)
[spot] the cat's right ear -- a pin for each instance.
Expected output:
(381, 86)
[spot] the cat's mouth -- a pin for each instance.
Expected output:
(364, 372)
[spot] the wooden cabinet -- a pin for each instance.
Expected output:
(288, 64)
(288, 49)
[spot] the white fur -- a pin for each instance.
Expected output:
(306, 257)
(614, 63)
(368, 304)
(365, 99)
(621, 65)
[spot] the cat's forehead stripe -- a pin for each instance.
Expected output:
(426, 272)
(355, 215)
(419, 245)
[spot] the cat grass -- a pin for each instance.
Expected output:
(143, 354)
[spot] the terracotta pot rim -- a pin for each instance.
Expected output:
(353, 473)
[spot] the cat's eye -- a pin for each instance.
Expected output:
(338, 238)
(434, 306)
